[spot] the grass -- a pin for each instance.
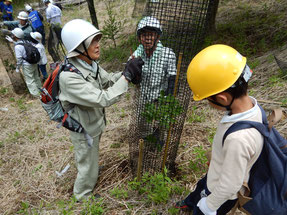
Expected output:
(260, 29)
(32, 149)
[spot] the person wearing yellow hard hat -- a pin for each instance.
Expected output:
(220, 74)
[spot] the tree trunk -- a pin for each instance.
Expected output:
(93, 13)
(9, 61)
(212, 27)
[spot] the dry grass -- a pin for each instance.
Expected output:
(32, 149)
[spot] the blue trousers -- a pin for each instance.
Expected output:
(193, 198)
(43, 70)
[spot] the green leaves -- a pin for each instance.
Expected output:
(164, 111)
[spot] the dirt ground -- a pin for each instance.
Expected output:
(33, 150)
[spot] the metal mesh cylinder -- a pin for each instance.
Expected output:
(170, 34)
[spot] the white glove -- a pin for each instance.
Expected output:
(17, 69)
(9, 39)
(204, 208)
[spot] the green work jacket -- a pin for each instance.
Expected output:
(90, 93)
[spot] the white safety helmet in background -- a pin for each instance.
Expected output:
(18, 32)
(77, 31)
(23, 15)
(149, 23)
(28, 8)
(37, 36)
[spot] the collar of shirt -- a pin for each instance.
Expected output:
(85, 68)
(241, 116)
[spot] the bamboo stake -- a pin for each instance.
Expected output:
(174, 94)
(141, 144)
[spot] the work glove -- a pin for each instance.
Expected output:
(17, 69)
(9, 39)
(5, 31)
(204, 208)
(1, 24)
(133, 70)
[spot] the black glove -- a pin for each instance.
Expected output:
(133, 70)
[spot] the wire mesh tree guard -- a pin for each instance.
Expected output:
(159, 112)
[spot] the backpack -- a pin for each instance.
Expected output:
(50, 99)
(32, 53)
(268, 175)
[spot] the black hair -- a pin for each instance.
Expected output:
(33, 40)
(239, 88)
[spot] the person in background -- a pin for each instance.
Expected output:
(30, 71)
(53, 13)
(36, 19)
(53, 16)
(220, 75)
(22, 23)
(36, 39)
(89, 91)
(1, 7)
(7, 11)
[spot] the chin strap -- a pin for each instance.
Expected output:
(86, 55)
(227, 107)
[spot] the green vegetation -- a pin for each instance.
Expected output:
(198, 165)
(164, 111)
(112, 27)
(156, 188)
(121, 52)
(196, 116)
(252, 30)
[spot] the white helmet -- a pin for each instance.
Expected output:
(37, 36)
(23, 15)
(28, 8)
(149, 23)
(18, 32)
(77, 31)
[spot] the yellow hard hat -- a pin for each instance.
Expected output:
(213, 70)
(9, 0)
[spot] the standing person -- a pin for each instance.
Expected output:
(1, 7)
(36, 20)
(53, 16)
(7, 11)
(220, 74)
(30, 71)
(159, 72)
(89, 93)
(36, 39)
(22, 23)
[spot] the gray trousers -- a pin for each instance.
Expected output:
(87, 161)
(32, 79)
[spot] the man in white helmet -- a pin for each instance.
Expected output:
(30, 71)
(89, 93)
(22, 23)
(36, 20)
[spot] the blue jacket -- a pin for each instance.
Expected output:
(36, 19)
(7, 16)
